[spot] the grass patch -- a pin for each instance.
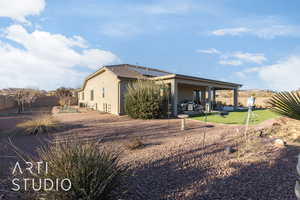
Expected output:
(239, 117)
(39, 124)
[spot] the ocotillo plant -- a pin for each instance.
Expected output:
(297, 186)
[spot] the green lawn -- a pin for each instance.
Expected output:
(239, 117)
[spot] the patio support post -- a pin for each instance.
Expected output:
(209, 98)
(214, 96)
(174, 94)
(203, 97)
(235, 97)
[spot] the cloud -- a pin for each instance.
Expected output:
(262, 32)
(167, 7)
(231, 62)
(250, 57)
(263, 27)
(45, 60)
(240, 58)
(243, 74)
(282, 76)
(230, 31)
(19, 10)
(208, 51)
(235, 58)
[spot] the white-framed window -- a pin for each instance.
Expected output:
(92, 95)
(103, 92)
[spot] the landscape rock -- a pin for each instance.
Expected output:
(280, 143)
(229, 150)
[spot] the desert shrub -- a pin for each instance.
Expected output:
(66, 102)
(39, 124)
(146, 100)
(134, 143)
(94, 172)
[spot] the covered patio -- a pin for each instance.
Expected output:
(202, 91)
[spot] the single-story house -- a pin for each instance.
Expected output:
(105, 89)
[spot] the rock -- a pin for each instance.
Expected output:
(276, 124)
(229, 150)
(279, 143)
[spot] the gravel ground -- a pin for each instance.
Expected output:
(175, 164)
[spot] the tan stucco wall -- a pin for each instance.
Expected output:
(105, 80)
(186, 91)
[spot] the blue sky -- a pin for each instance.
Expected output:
(47, 44)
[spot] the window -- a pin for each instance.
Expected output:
(103, 92)
(92, 95)
(82, 95)
(197, 95)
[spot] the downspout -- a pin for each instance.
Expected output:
(119, 97)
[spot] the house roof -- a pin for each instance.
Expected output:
(140, 72)
(134, 71)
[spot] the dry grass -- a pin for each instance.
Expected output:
(134, 143)
(40, 124)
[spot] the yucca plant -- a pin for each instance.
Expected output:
(145, 99)
(287, 104)
(93, 171)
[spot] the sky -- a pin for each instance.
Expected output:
(47, 44)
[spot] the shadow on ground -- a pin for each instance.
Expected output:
(197, 175)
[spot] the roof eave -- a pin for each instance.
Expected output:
(195, 78)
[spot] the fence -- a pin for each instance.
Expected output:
(7, 102)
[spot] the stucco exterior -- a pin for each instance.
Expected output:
(105, 89)
(106, 93)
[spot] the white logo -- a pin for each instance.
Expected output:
(37, 184)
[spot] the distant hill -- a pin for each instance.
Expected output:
(262, 97)
(246, 93)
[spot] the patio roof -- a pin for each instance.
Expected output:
(198, 80)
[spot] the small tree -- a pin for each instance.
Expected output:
(65, 96)
(63, 92)
(24, 96)
(146, 100)
(31, 95)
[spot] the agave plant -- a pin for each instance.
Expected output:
(287, 104)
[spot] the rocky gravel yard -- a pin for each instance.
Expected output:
(174, 164)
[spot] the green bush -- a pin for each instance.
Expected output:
(93, 172)
(146, 100)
